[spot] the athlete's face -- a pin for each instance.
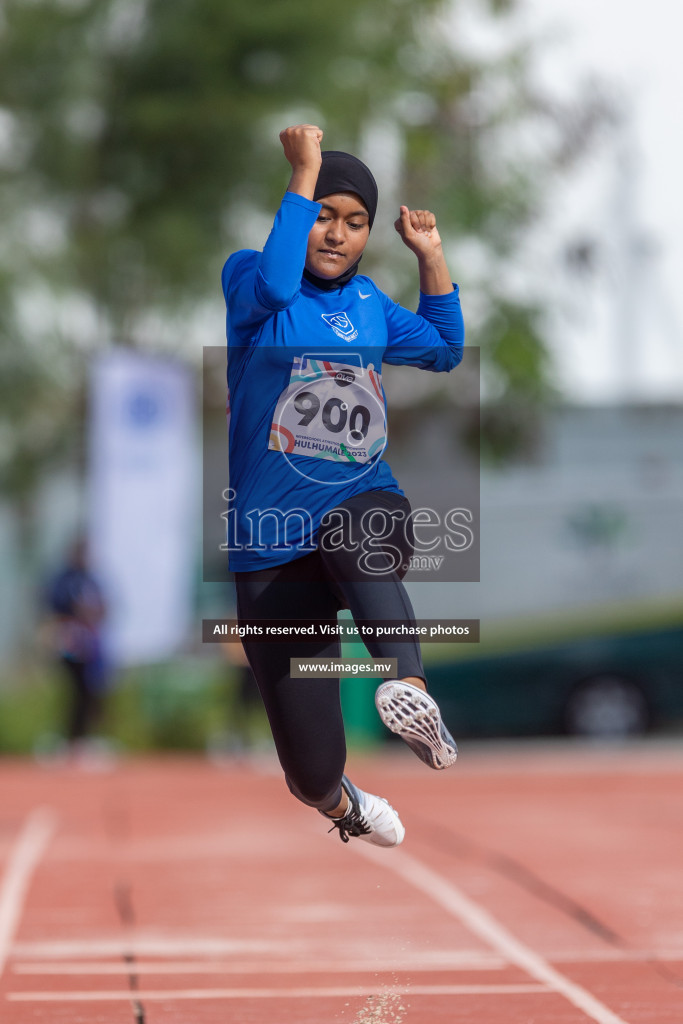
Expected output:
(339, 235)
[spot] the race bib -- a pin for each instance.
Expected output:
(330, 411)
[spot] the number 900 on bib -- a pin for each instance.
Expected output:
(332, 411)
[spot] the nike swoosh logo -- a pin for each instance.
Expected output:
(365, 296)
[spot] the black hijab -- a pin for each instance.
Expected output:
(342, 172)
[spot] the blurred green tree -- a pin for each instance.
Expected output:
(139, 145)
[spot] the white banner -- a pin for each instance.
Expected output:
(144, 501)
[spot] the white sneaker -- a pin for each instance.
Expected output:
(369, 818)
(414, 716)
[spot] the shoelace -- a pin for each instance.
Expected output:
(352, 824)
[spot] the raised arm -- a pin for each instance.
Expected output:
(433, 338)
(256, 285)
(419, 232)
(284, 254)
(301, 144)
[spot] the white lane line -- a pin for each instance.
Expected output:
(335, 992)
(616, 955)
(22, 862)
(483, 924)
(422, 960)
(483, 963)
(142, 945)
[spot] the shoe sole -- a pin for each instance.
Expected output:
(414, 716)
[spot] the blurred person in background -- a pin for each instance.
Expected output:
(76, 602)
(242, 735)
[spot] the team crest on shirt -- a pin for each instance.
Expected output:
(341, 325)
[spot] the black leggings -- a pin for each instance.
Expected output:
(305, 714)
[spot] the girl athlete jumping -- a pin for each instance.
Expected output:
(317, 523)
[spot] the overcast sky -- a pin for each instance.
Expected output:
(638, 306)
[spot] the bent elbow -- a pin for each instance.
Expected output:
(456, 354)
(457, 345)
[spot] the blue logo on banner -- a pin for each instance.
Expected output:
(143, 409)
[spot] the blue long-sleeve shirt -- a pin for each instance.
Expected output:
(305, 395)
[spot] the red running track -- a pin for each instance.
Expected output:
(537, 885)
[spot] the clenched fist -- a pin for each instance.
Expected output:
(301, 143)
(418, 230)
